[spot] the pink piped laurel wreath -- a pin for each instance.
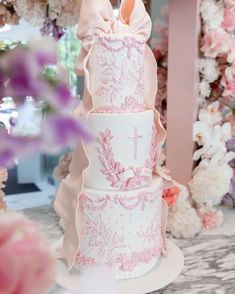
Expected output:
(113, 169)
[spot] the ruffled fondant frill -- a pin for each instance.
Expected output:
(96, 18)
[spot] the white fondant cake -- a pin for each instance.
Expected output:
(116, 219)
(117, 78)
(122, 154)
(121, 229)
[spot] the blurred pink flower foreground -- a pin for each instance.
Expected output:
(26, 265)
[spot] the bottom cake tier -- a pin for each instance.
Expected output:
(121, 230)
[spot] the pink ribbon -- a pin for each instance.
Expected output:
(130, 174)
(97, 18)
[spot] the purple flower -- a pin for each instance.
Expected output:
(22, 71)
(12, 147)
(2, 79)
(13, 121)
(20, 86)
(45, 53)
(62, 95)
(231, 145)
(50, 28)
(2, 84)
(59, 131)
(58, 32)
(47, 28)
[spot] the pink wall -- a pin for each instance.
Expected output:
(182, 86)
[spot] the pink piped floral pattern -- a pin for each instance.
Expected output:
(151, 233)
(101, 237)
(122, 177)
(119, 66)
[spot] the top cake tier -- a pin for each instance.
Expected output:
(117, 75)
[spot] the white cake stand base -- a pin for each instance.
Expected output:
(166, 271)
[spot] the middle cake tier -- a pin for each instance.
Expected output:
(123, 151)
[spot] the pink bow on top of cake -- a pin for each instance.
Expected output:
(111, 202)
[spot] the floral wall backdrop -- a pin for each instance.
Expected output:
(214, 130)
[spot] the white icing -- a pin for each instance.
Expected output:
(117, 76)
(121, 224)
(123, 127)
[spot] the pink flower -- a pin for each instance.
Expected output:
(215, 42)
(229, 87)
(165, 11)
(161, 45)
(26, 265)
(231, 52)
(228, 81)
(162, 80)
(230, 2)
(161, 96)
(2, 202)
(210, 218)
(229, 18)
(3, 176)
(62, 170)
(160, 27)
(230, 117)
(171, 195)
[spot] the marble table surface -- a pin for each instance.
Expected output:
(209, 257)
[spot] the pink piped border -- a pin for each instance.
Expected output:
(128, 42)
(126, 262)
(129, 203)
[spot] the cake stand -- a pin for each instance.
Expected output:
(166, 271)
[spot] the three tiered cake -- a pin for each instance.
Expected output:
(112, 202)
